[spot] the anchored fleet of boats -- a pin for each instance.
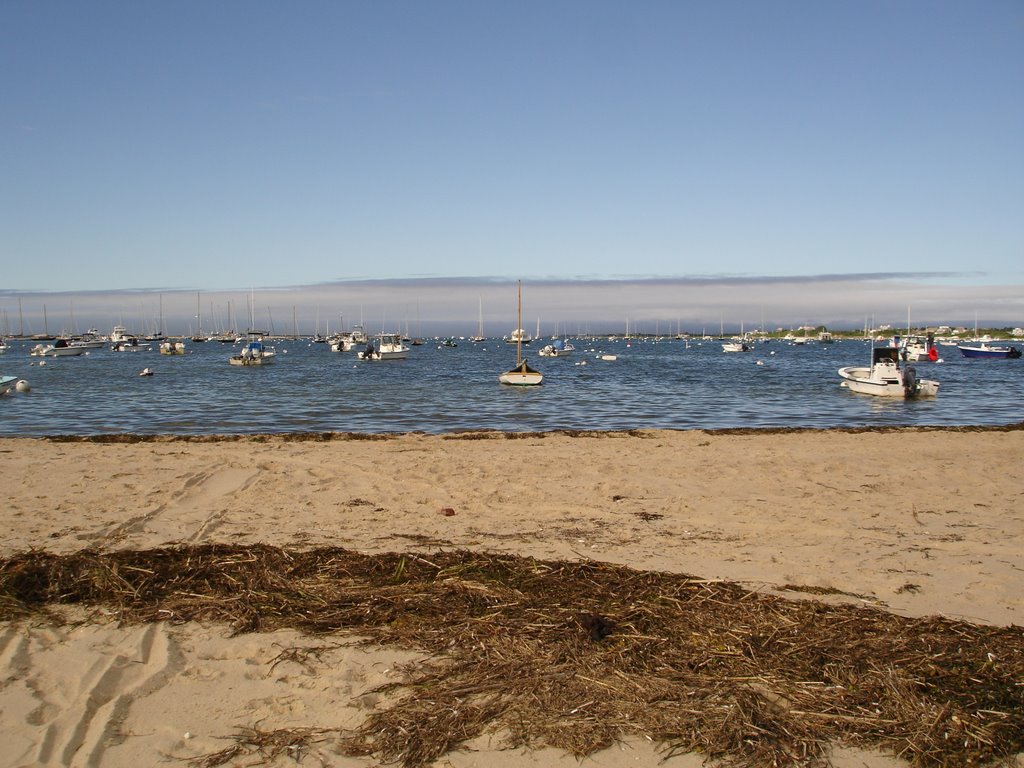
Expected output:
(890, 372)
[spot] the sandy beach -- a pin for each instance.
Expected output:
(915, 522)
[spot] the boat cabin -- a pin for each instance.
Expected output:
(885, 355)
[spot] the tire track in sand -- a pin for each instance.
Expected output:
(190, 513)
(88, 719)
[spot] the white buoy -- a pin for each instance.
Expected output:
(22, 386)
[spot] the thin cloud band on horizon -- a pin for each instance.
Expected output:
(498, 280)
(450, 305)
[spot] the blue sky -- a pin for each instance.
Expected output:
(222, 146)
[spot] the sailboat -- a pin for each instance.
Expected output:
(480, 325)
(522, 374)
(199, 337)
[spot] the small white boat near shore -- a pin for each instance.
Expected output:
(885, 378)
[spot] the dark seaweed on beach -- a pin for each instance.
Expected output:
(576, 655)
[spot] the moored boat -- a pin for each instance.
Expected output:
(385, 346)
(984, 349)
(735, 346)
(885, 378)
(557, 348)
(518, 336)
(172, 347)
(7, 383)
(522, 375)
(255, 352)
(59, 348)
(918, 349)
(346, 341)
(131, 344)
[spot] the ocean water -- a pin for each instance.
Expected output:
(665, 384)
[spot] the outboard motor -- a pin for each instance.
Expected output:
(909, 381)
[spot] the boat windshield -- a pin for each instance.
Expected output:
(881, 354)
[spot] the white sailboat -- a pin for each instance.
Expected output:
(522, 375)
(480, 325)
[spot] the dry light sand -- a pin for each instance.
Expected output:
(918, 522)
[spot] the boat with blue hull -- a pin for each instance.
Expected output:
(985, 350)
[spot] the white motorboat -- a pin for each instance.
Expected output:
(255, 352)
(7, 383)
(918, 349)
(385, 346)
(171, 347)
(88, 343)
(346, 341)
(122, 341)
(735, 346)
(59, 348)
(518, 336)
(130, 344)
(557, 348)
(885, 378)
(120, 334)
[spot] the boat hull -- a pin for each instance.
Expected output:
(522, 376)
(519, 379)
(240, 360)
(50, 351)
(990, 352)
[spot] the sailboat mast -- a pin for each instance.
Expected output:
(519, 322)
